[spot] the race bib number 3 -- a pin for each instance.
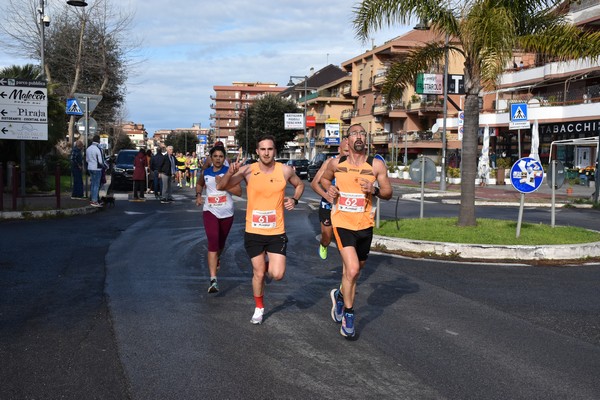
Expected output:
(351, 202)
(264, 219)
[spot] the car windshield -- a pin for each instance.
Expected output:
(126, 157)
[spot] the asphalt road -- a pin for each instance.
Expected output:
(114, 305)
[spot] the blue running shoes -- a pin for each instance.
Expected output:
(347, 329)
(337, 308)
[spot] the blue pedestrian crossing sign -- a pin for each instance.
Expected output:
(527, 175)
(518, 112)
(73, 107)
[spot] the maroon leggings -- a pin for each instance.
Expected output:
(217, 230)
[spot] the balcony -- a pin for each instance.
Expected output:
(379, 79)
(321, 118)
(423, 107)
(381, 109)
(348, 114)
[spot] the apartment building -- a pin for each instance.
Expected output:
(136, 132)
(324, 103)
(229, 105)
(407, 126)
(562, 97)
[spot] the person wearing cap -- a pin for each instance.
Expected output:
(264, 236)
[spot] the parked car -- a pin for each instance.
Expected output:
(300, 166)
(316, 162)
(282, 160)
(122, 173)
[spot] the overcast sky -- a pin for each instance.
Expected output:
(191, 46)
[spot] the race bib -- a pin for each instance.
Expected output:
(264, 219)
(351, 202)
(217, 199)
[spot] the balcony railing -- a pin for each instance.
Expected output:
(379, 79)
(381, 109)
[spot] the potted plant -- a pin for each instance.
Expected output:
(503, 163)
(453, 175)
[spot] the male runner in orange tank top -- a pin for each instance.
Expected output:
(352, 217)
(265, 230)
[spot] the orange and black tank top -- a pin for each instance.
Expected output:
(353, 209)
(264, 215)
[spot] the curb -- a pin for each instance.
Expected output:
(67, 212)
(491, 252)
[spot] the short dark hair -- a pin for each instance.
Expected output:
(265, 137)
(96, 138)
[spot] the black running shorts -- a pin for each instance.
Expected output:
(256, 244)
(360, 240)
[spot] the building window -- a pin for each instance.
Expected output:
(364, 102)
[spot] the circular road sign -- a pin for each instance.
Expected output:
(415, 170)
(560, 174)
(526, 175)
(92, 126)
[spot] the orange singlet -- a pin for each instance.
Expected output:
(264, 215)
(353, 207)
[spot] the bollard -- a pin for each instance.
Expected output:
(1, 186)
(15, 185)
(57, 186)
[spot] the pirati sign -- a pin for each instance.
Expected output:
(294, 121)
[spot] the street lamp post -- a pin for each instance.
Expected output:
(445, 116)
(246, 129)
(291, 83)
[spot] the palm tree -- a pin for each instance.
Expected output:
(485, 33)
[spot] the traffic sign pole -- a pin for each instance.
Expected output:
(520, 219)
(553, 214)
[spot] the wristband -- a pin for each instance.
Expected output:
(376, 191)
(198, 194)
(295, 201)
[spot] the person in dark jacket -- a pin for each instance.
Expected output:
(139, 175)
(167, 169)
(76, 170)
(155, 164)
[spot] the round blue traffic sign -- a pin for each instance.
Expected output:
(527, 175)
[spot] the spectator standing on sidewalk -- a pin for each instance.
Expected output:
(265, 229)
(77, 170)
(139, 175)
(167, 170)
(155, 164)
(95, 165)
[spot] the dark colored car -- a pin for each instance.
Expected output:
(122, 172)
(282, 160)
(316, 162)
(300, 166)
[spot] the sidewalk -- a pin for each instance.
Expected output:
(496, 194)
(45, 206)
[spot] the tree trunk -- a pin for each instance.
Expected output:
(466, 212)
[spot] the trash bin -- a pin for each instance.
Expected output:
(583, 180)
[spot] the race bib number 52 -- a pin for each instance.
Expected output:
(351, 202)
(264, 219)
